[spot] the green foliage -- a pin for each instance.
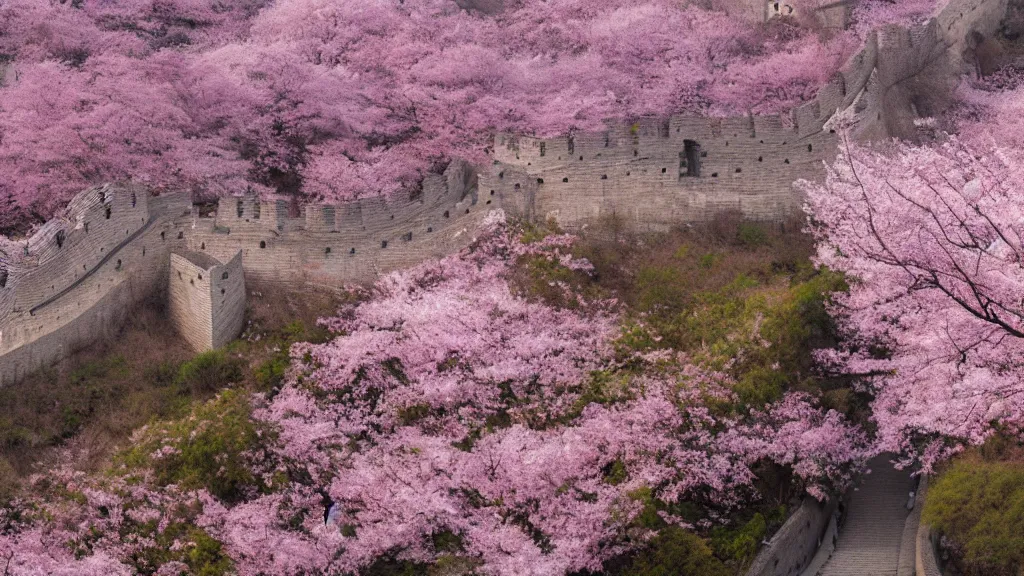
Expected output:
(738, 544)
(208, 449)
(676, 552)
(757, 320)
(204, 555)
(978, 503)
(208, 372)
(207, 557)
(751, 235)
(269, 374)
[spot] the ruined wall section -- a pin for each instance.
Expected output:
(73, 281)
(352, 242)
(206, 299)
(658, 173)
(189, 305)
(227, 297)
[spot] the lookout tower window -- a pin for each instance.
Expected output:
(59, 238)
(543, 149)
(3, 277)
(690, 159)
(256, 210)
(241, 208)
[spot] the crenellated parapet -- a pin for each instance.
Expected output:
(350, 242)
(76, 278)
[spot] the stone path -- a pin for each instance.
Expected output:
(869, 539)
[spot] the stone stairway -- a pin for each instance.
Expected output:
(869, 540)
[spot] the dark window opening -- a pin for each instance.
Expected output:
(663, 170)
(202, 246)
(222, 291)
(543, 149)
(3, 277)
(327, 250)
(407, 237)
(810, 148)
(635, 152)
(604, 176)
(540, 180)
(488, 202)
(786, 161)
(383, 243)
(492, 192)
(714, 174)
(467, 210)
(86, 227)
(430, 228)
(446, 212)
(143, 250)
(200, 276)
(103, 196)
(59, 238)
(692, 155)
(501, 175)
(133, 199)
(179, 275)
(760, 159)
(263, 243)
(163, 236)
(352, 251)
(565, 180)
(181, 235)
(118, 267)
(224, 276)
(256, 210)
(738, 170)
(240, 207)
(572, 145)
(517, 186)
(107, 212)
(703, 154)
(191, 281)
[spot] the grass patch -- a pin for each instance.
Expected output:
(210, 448)
(977, 503)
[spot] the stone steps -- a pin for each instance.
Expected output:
(869, 540)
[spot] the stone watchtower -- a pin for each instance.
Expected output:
(206, 299)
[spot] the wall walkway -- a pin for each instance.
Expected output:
(872, 533)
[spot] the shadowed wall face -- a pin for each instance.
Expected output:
(206, 299)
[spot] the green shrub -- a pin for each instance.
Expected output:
(979, 505)
(209, 448)
(740, 543)
(208, 372)
(270, 373)
(676, 552)
(751, 235)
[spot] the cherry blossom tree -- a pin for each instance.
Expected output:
(931, 236)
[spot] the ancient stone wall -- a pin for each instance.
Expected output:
(353, 242)
(74, 279)
(659, 173)
(793, 547)
(79, 275)
(206, 299)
